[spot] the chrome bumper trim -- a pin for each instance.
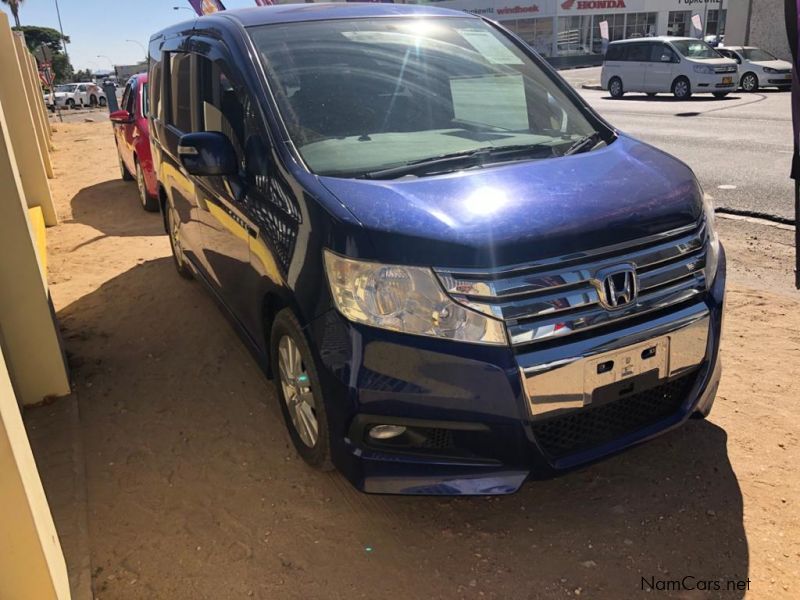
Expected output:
(568, 383)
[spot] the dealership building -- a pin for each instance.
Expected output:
(568, 31)
(571, 28)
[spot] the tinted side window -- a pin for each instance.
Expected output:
(126, 96)
(131, 98)
(230, 110)
(180, 91)
(145, 100)
(616, 52)
(154, 86)
(659, 50)
(639, 52)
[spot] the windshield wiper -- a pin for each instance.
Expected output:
(444, 162)
(584, 144)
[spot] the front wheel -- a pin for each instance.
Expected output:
(102, 101)
(682, 89)
(123, 170)
(615, 88)
(173, 229)
(70, 103)
(92, 100)
(749, 82)
(299, 391)
(149, 203)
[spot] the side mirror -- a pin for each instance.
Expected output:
(208, 153)
(121, 116)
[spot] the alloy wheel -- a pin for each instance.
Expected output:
(681, 88)
(297, 393)
(141, 185)
(749, 82)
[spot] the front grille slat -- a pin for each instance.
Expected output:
(594, 426)
(552, 299)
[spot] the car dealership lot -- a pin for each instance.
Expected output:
(744, 140)
(193, 489)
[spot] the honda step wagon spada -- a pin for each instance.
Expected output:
(458, 275)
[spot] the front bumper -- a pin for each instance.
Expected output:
(716, 82)
(468, 412)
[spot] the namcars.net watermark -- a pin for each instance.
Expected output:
(691, 582)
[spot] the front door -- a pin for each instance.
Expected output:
(225, 105)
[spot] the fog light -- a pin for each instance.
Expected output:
(386, 432)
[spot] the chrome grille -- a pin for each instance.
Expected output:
(559, 297)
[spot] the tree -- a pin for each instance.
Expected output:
(14, 6)
(82, 75)
(62, 69)
(42, 36)
(36, 37)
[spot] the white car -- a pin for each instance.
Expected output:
(681, 66)
(74, 95)
(759, 68)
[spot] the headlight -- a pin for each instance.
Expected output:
(712, 241)
(770, 70)
(704, 69)
(405, 299)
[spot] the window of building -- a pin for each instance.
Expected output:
(574, 35)
(714, 24)
(181, 91)
(537, 33)
(679, 23)
(616, 30)
(640, 25)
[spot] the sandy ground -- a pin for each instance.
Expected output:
(194, 491)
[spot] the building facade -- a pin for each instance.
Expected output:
(568, 28)
(571, 28)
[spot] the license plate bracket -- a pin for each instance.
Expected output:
(650, 357)
(727, 80)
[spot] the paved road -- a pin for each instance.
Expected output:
(744, 140)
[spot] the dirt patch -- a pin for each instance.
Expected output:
(194, 491)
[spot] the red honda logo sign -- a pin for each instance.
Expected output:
(592, 4)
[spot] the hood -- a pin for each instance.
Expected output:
(523, 212)
(714, 62)
(772, 64)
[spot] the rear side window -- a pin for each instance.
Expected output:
(639, 52)
(616, 52)
(181, 91)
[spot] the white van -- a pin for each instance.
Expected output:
(682, 66)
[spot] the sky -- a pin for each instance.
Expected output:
(101, 27)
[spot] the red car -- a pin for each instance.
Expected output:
(132, 135)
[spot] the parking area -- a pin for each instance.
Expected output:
(192, 489)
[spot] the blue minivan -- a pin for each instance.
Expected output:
(459, 276)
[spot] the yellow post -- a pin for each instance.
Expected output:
(27, 326)
(33, 104)
(31, 561)
(21, 130)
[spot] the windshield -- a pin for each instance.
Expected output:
(696, 49)
(363, 95)
(757, 54)
(66, 88)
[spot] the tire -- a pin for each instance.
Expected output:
(149, 203)
(720, 94)
(123, 170)
(681, 89)
(615, 88)
(749, 82)
(296, 378)
(651, 94)
(92, 100)
(70, 103)
(102, 101)
(173, 227)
